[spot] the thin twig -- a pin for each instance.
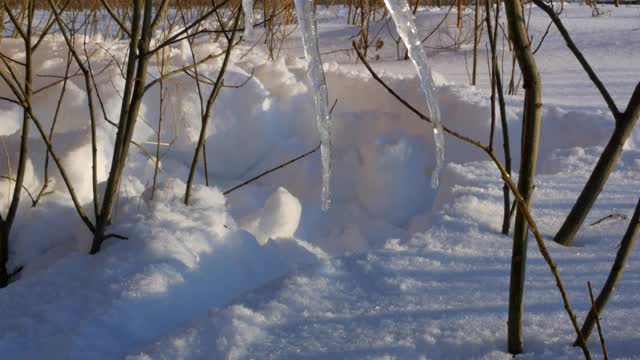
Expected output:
(265, 173)
(226, 192)
(23, 186)
(595, 311)
(610, 216)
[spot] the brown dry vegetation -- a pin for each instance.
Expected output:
(88, 4)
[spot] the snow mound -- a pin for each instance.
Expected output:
(178, 261)
(279, 218)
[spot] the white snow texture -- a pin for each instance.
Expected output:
(394, 269)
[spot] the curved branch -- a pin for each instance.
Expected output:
(519, 200)
(578, 54)
(615, 273)
(23, 186)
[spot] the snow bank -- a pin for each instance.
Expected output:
(442, 294)
(177, 262)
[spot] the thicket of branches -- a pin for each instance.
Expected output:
(150, 28)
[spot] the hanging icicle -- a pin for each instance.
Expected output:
(308, 27)
(247, 6)
(405, 25)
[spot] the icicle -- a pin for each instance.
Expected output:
(308, 27)
(406, 28)
(247, 6)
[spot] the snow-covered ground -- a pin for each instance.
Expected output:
(394, 270)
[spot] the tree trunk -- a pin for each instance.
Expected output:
(476, 38)
(7, 223)
(506, 146)
(608, 159)
(2, 20)
(496, 85)
(4, 256)
(622, 256)
(529, 156)
(207, 113)
(135, 82)
(625, 121)
(459, 18)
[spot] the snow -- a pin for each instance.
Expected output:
(395, 269)
(440, 294)
(176, 251)
(279, 218)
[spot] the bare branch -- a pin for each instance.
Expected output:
(23, 187)
(578, 54)
(265, 173)
(597, 316)
(116, 18)
(520, 201)
(405, 103)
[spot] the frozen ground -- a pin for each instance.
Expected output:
(394, 270)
